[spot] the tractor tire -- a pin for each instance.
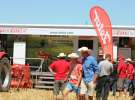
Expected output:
(5, 74)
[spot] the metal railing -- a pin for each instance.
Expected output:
(37, 67)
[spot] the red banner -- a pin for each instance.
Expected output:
(102, 25)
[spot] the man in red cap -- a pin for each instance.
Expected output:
(121, 75)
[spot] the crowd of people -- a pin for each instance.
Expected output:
(85, 75)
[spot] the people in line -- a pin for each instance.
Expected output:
(75, 76)
(83, 76)
(60, 69)
(90, 73)
(105, 70)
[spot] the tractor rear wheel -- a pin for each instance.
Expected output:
(5, 74)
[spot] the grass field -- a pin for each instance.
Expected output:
(35, 94)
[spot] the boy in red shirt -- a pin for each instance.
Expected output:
(60, 69)
(75, 76)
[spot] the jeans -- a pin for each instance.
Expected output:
(127, 84)
(113, 85)
(103, 87)
(132, 88)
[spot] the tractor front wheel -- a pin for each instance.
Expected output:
(5, 74)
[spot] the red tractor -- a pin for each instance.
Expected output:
(5, 71)
(20, 74)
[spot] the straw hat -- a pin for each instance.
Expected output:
(83, 49)
(73, 55)
(129, 60)
(100, 53)
(61, 55)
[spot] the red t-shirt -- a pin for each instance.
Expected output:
(75, 74)
(61, 68)
(130, 71)
(122, 67)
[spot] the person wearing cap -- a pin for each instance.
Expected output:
(75, 76)
(121, 71)
(105, 70)
(90, 72)
(130, 75)
(59, 68)
(100, 56)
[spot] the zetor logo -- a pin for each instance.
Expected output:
(100, 27)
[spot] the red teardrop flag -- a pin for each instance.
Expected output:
(103, 28)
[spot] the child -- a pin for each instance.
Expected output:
(75, 76)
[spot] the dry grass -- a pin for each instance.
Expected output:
(36, 94)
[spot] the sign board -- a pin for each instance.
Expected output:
(126, 52)
(123, 33)
(19, 53)
(64, 31)
(48, 31)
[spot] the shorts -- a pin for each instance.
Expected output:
(72, 87)
(58, 86)
(87, 89)
(121, 84)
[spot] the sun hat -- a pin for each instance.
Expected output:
(100, 52)
(73, 55)
(61, 55)
(83, 49)
(129, 59)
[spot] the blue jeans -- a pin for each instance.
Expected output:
(103, 87)
(127, 84)
(132, 88)
(113, 85)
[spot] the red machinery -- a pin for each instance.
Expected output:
(21, 76)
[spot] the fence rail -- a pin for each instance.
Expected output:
(38, 67)
(40, 79)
